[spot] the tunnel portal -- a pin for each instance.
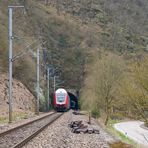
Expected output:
(73, 101)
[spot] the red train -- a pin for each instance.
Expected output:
(61, 100)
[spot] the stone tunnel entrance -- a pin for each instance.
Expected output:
(73, 101)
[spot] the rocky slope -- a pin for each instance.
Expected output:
(23, 100)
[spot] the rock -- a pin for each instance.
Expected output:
(96, 131)
(79, 127)
(84, 130)
(90, 130)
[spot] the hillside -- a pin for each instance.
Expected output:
(73, 28)
(65, 40)
(88, 45)
(23, 100)
(67, 45)
(124, 23)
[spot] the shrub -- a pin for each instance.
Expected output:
(95, 113)
(42, 103)
(146, 124)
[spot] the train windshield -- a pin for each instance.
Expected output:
(61, 97)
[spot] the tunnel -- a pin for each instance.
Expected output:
(73, 101)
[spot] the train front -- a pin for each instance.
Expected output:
(61, 100)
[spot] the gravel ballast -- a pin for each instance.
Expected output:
(59, 135)
(16, 136)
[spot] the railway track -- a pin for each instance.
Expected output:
(19, 136)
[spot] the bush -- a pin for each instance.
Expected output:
(117, 116)
(95, 113)
(146, 124)
(42, 103)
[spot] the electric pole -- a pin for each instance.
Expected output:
(10, 64)
(48, 97)
(10, 38)
(38, 79)
(54, 83)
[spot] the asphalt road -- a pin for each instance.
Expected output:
(133, 130)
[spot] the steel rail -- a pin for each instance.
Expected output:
(26, 140)
(23, 125)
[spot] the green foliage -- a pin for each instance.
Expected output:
(3, 120)
(43, 102)
(95, 113)
(120, 19)
(146, 124)
(16, 116)
(102, 83)
(63, 42)
(117, 116)
(134, 88)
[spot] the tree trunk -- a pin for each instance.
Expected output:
(89, 120)
(107, 115)
(106, 120)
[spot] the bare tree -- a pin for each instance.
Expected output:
(108, 74)
(135, 88)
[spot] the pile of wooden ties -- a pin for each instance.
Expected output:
(78, 127)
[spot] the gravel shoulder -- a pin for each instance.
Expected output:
(133, 130)
(7, 126)
(59, 135)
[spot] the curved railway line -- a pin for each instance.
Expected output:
(20, 135)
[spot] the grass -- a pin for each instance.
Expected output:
(116, 133)
(3, 120)
(16, 116)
